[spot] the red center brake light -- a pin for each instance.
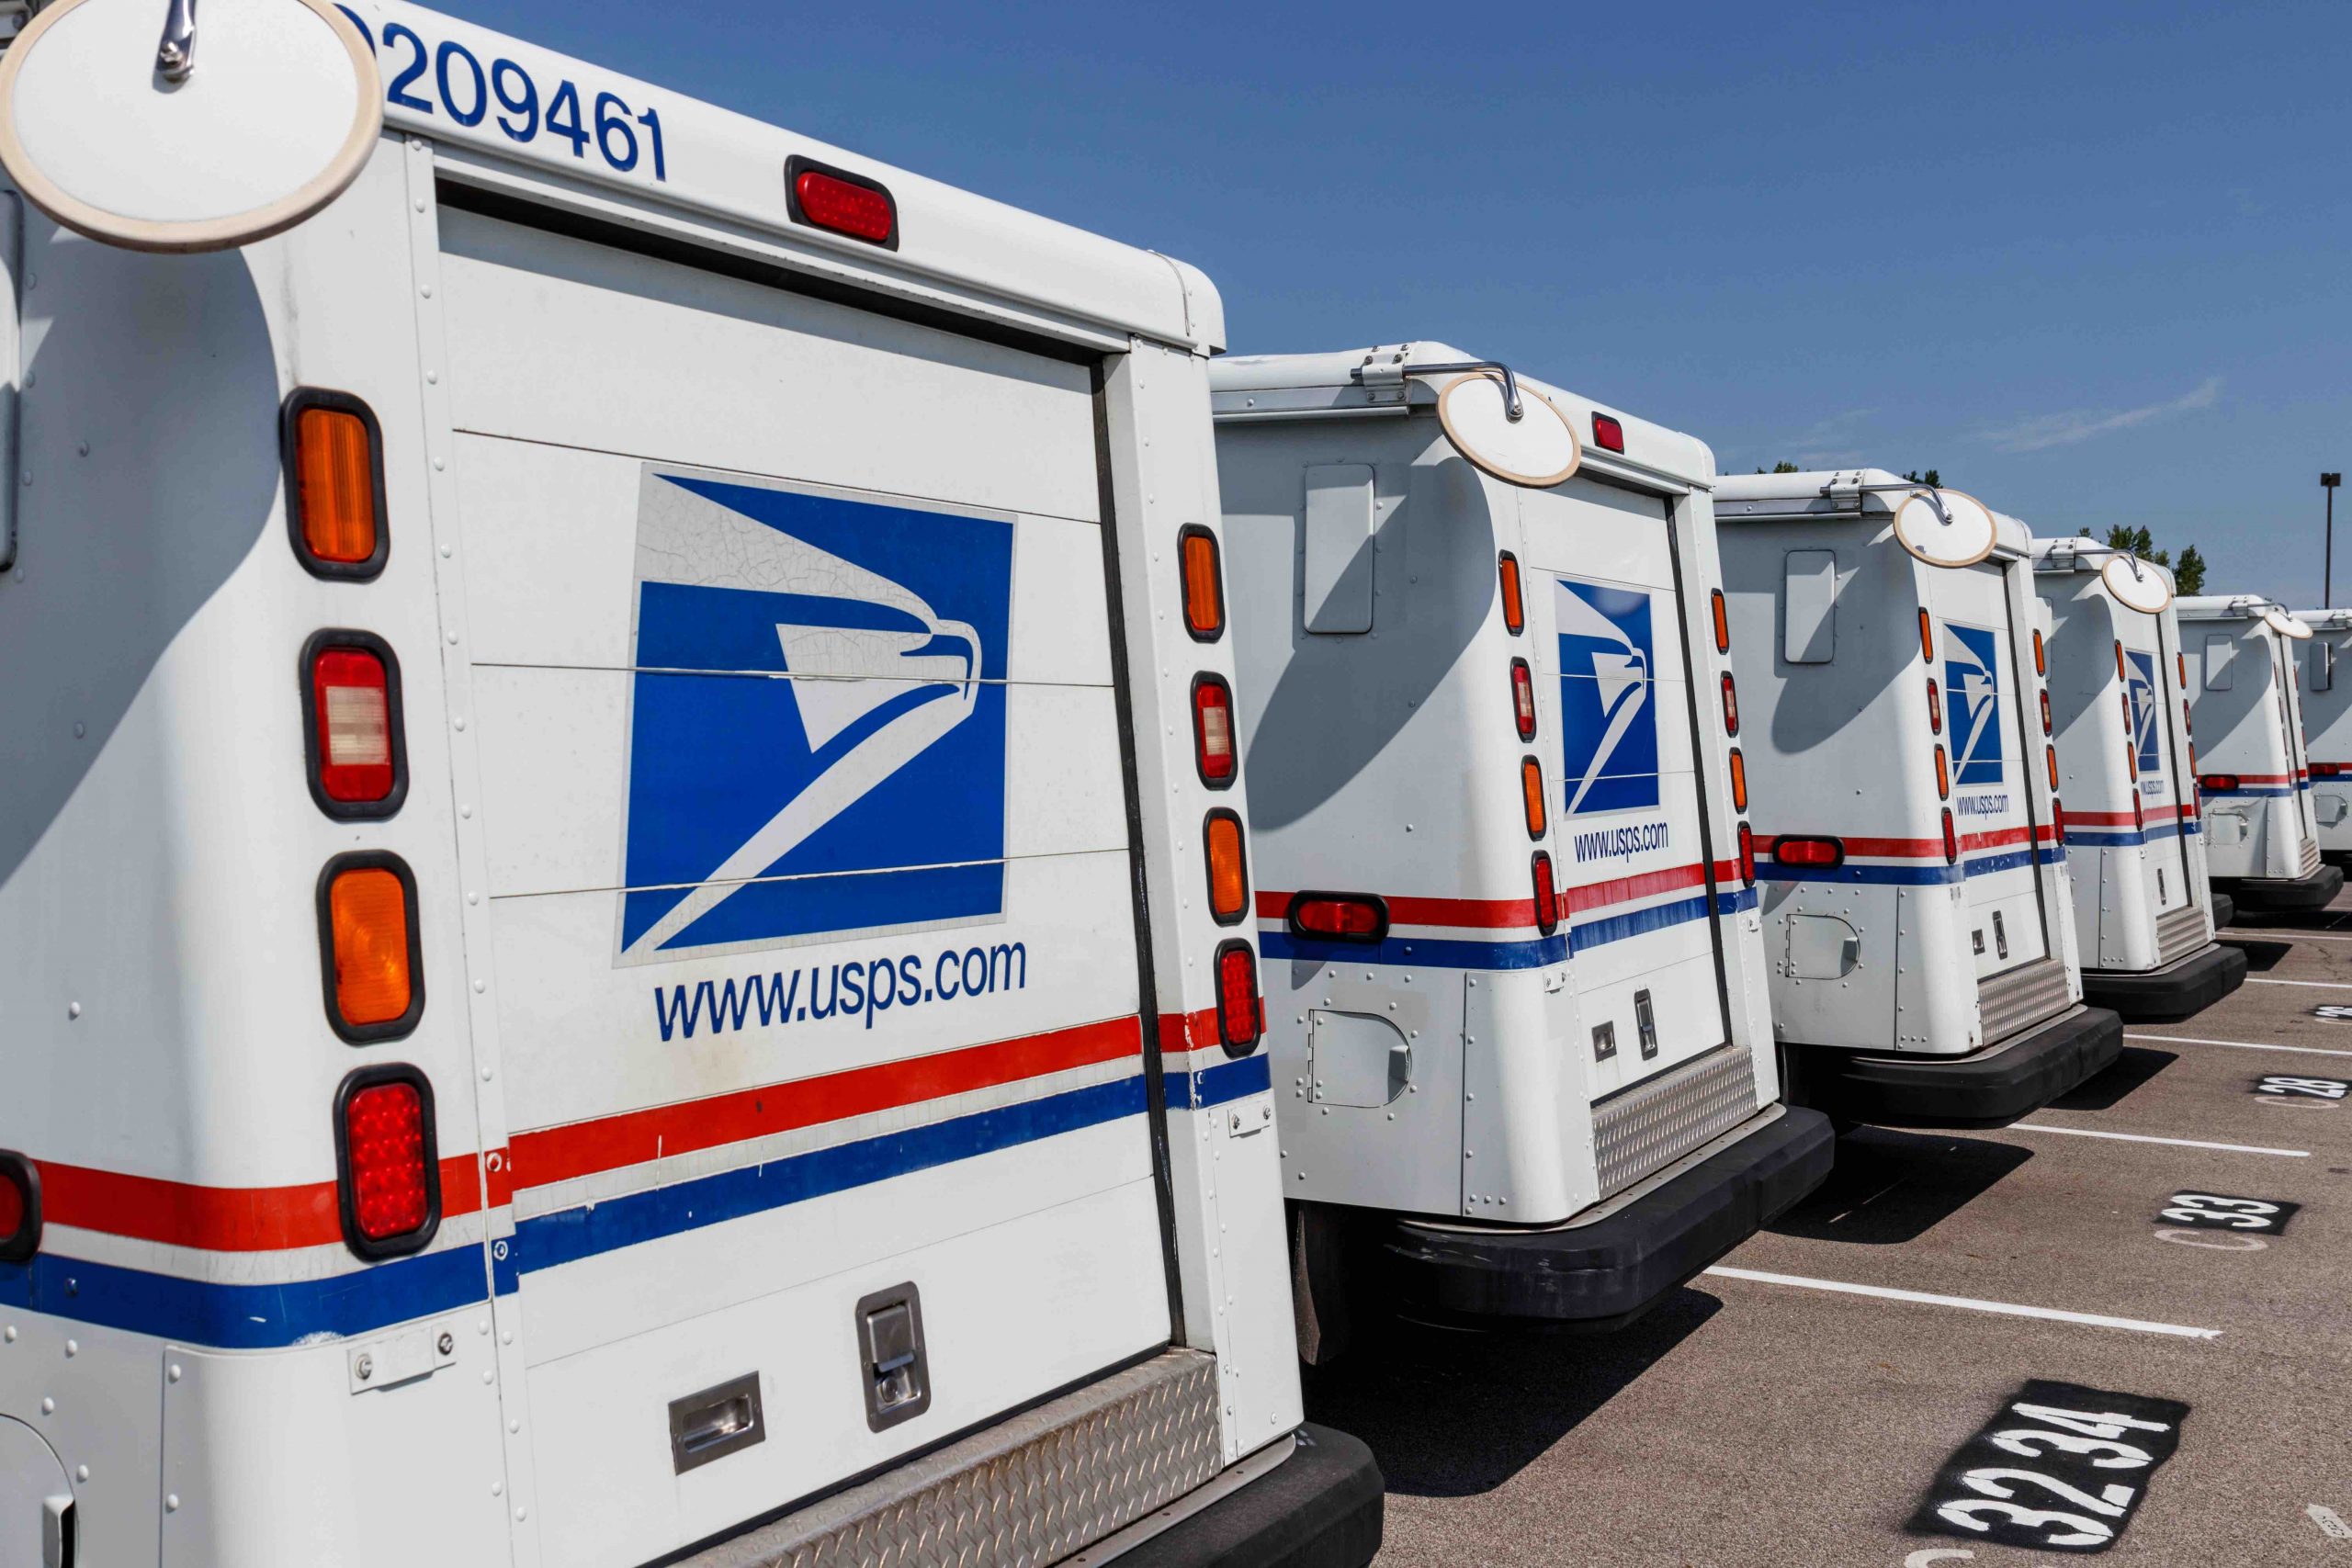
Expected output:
(2327, 770)
(2138, 813)
(1213, 731)
(2219, 781)
(1608, 434)
(1547, 898)
(2058, 816)
(1952, 839)
(352, 725)
(390, 1181)
(1807, 850)
(1514, 605)
(19, 1208)
(1239, 1018)
(844, 203)
(1523, 698)
(1338, 917)
(1746, 854)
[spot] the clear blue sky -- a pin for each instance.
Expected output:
(2093, 261)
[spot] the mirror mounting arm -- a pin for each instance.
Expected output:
(176, 54)
(1512, 407)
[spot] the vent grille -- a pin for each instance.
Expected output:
(1638, 1129)
(2310, 857)
(2022, 997)
(1023, 1494)
(2180, 932)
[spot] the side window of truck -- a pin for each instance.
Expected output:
(2218, 650)
(1336, 553)
(1809, 607)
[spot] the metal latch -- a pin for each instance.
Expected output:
(896, 1366)
(715, 1422)
(403, 1358)
(1240, 1122)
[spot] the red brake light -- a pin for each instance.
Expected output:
(2327, 770)
(1514, 605)
(844, 203)
(1213, 730)
(2139, 812)
(1723, 623)
(1952, 839)
(1523, 698)
(2219, 781)
(1607, 434)
(19, 1209)
(1338, 917)
(390, 1180)
(1204, 584)
(2045, 712)
(1935, 708)
(1731, 705)
(353, 726)
(1547, 898)
(1746, 854)
(1818, 852)
(2058, 816)
(1239, 1019)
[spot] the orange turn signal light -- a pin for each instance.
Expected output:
(368, 934)
(1229, 872)
(334, 480)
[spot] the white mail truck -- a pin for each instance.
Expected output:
(625, 927)
(1515, 992)
(2143, 915)
(2261, 832)
(1918, 913)
(2326, 699)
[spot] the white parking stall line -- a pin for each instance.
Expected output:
(2237, 1044)
(2145, 1138)
(2287, 932)
(1966, 1304)
(2307, 985)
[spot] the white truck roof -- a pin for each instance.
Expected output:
(959, 249)
(2326, 620)
(1360, 379)
(2225, 608)
(1826, 493)
(2077, 554)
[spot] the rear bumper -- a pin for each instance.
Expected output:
(2180, 990)
(1986, 1089)
(1319, 1508)
(1602, 1273)
(2313, 892)
(2225, 911)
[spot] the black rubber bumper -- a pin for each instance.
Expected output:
(2180, 990)
(1989, 1088)
(2316, 891)
(1603, 1274)
(1320, 1508)
(2225, 911)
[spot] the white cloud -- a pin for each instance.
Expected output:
(2044, 430)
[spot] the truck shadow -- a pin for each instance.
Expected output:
(1893, 1187)
(2132, 1067)
(1507, 1395)
(2260, 957)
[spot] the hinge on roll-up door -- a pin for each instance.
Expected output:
(1844, 491)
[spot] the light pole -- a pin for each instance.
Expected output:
(2327, 482)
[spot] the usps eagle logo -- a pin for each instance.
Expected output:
(1973, 687)
(817, 724)
(1607, 697)
(2143, 687)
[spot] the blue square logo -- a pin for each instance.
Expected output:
(1972, 691)
(2143, 687)
(816, 725)
(1608, 698)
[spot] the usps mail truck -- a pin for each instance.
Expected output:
(624, 918)
(1515, 993)
(2327, 697)
(1918, 913)
(2261, 831)
(2143, 915)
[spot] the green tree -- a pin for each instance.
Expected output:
(1931, 478)
(2189, 577)
(1782, 467)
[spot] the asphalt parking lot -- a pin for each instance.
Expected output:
(1814, 1400)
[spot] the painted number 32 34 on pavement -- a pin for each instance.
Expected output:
(448, 80)
(2060, 1468)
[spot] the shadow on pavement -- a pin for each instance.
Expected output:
(1453, 1413)
(2133, 1066)
(2261, 955)
(1893, 1187)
